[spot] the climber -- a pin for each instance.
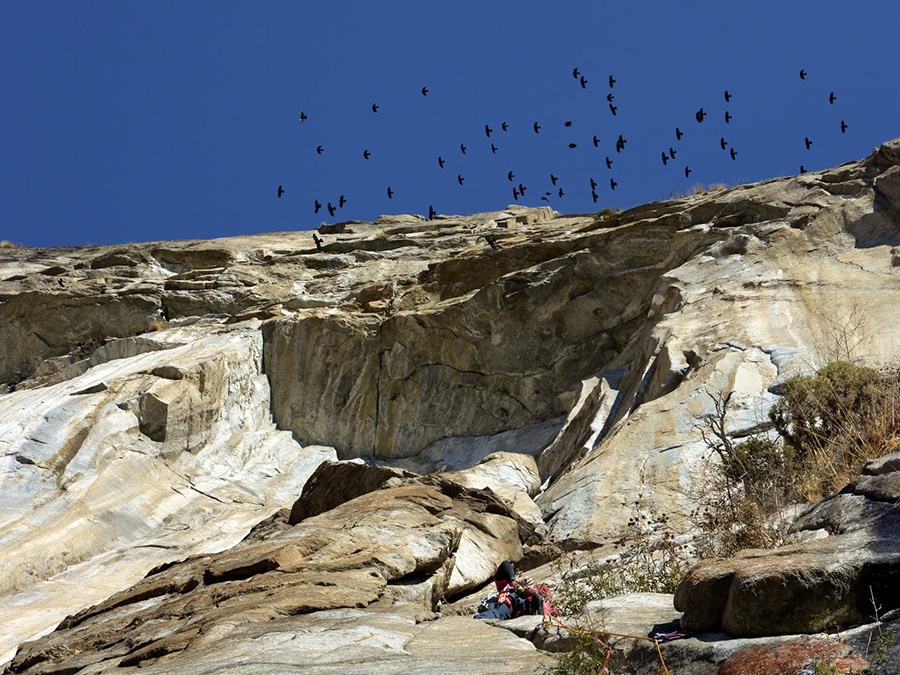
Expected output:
(513, 598)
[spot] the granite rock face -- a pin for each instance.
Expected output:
(160, 400)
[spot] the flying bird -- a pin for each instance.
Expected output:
(687, 171)
(493, 149)
(832, 98)
(318, 242)
(515, 194)
(843, 127)
(583, 82)
(320, 150)
(390, 192)
(504, 126)
(610, 97)
(424, 91)
(807, 142)
(573, 145)
(612, 184)
(431, 212)
(487, 130)
(671, 153)
(802, 74)
(700, 114)
(561, 193)
(802, 169)
(727, 96)
(460, 179)
(331, 209)
(280, 191)
(510, 176)
(727, 117)
(665, 159)
(733, 153)
(544, 198)
(521, 189)
(612, 81)
(620, 143)
(576, 73)
(441, 162)
(318, 206)
(609, 162)
(594, 196)
(537, 128)
(342, 201)
(612, 109)
(723, 142)
(553, 179)
(374, 107)
(303, 116)
(463, 148)
(596, 142)
(593, 184)
(366, 154)
(678, 133)
(567, 123)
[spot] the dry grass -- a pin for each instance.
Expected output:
(9, 244)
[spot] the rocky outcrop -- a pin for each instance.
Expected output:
(846, 576)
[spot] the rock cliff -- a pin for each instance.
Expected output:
(162, 403)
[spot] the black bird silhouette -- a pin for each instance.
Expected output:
(832, 98)
(561, 193)
(723, 142)
(515, 194)
(567, 123)
(460, 179)
(504, 126)
(424, 91)
(537, 128)
(320, 149)
(700, 114)
(342, 201)
(843, 127)
(612, 109)
(493, 149)
(331, 209)
(610, 97)
(802, 169)
(280, 191)
(620, 143)
(727, 117)
(573, 145)
(375, 107)
(678, 133)
(671, 153)
(463, 148)
(612, 184)
(487, 130)
(612, 81)
(727, 96)
(593, 184)
(318, 242)
(318, 206)
(431, 212)
(807, 142)
(441, 162)
(510, 176)
(687, 171)
(303, 116)
(492, 241)
(733, 153)
(594, 196)
(609, 162)
(553, 179)
(521, 189)
(366, 154)
(596, 142)
(390, 192)
(544, 198)
(583, 81)
(802, 74)
(576, 73)
(665, 159)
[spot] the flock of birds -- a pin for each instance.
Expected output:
(519, 189)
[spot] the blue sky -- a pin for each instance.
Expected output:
(142, 121)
